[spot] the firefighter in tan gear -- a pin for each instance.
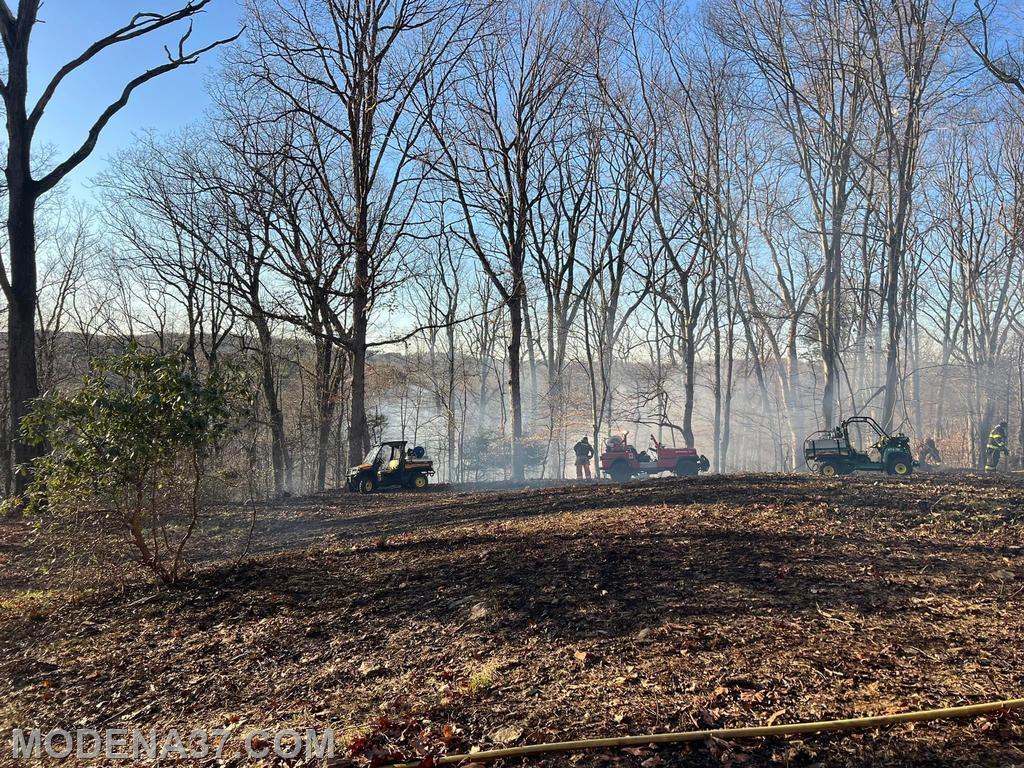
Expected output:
(996, 447)
(584, 453)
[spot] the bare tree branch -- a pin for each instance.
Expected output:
(140, 24)
(983, 51)
(58, 173)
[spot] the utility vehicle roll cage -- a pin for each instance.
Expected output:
(845, 425)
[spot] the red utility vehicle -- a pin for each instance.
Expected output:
(621, 461)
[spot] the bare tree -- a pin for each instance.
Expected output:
(439, 295)
(308, 245)
(648, 98)
(24, 189)
(903, 43)
(561, 242)
(810, 61)
(512, 92)
(355, 69)
(978, 279)
(246, 189)
(159, 202)
(68, 303)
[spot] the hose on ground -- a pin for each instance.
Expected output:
(823, 726)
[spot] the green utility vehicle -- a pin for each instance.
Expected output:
(832, 453)
(390, 465)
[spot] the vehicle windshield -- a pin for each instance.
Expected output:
(371, 457)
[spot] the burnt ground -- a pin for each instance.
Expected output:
(426, 623)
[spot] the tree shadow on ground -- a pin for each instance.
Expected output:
(350, 517)
(577, 584)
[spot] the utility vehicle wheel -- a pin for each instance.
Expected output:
(367, 485)
(685, 468)
(620, 471)
(828, 469)
(901, 467)
(419, 482)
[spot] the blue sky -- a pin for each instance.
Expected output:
(173, 100)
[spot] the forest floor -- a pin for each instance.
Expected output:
(429, 623)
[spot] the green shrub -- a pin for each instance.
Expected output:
(129, 452)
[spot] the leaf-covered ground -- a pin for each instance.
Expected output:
(431, 623)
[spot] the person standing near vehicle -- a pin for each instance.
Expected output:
(584, 453)
(929, 454)
(996, 447)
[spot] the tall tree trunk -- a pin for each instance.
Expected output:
(358, 434)
(358, 431)
(325, 394)
(280, 455)
(730, 361)
(451, 422)
(6, 471)
(323, 444)
(515, 311)
(689, 359)
(531, 356)
(607, 362)
(21, 339)
(894, 301)
(829, 326)
(21, 242)
(795, 404)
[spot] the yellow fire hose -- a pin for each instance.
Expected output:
(855, 723)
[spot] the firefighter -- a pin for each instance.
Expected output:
(929, 453)
(996, 447)
(584, 453)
